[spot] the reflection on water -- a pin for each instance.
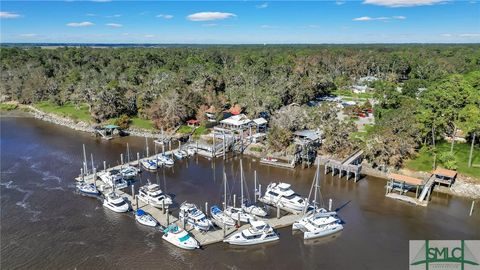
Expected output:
(45, 224)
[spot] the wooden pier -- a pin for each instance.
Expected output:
(290, 165)
(403, 184)
(351, 166)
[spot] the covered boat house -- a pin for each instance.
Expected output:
(403, 184)
(108, 132)
(444, 176)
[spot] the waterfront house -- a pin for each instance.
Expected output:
(236, 122)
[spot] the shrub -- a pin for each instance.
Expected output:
(448, 160)
(123, 121)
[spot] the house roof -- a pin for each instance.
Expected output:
(111, 126)
(260, 121)
(235, 109)
(192, 121)
(445, 172)
(236, 120)
(406, 179)
(308, 134)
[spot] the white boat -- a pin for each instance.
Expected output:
(254, 210)
(164, 160)
(113, 178)
(149, 164)
(194, 217)
(191, 151)
(152, 194)
(145, 218)
(259, 232)
(237, 214)
(178, 154)
(89, 189)
(281, 194)
(220, 217)
(129, 172)
(179, 237)
(269, 159)
(318, 222)
(184, 153)
(116, 203)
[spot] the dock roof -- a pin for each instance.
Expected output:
(445, 172)
(406, 179)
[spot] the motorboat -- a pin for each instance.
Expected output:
(89, 189)
(178, 154)
(152, 194)
(319, 222)
(282, 195)
(237, 214)
(191, 151)
(116, 203)
(113, 178)
(179, 237)
(259, 232)
(254, 210)
(220, 218)
(269, 159)
(194, 217)
(314, 226)
(149, 164)
(164, 160)
(145, 218)
(129, 172)
(184, 153)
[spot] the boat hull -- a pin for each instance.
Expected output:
(244, 242)
(322, 233)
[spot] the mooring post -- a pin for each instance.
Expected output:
(238, 219)
(136, 202)
(471, 208)
(223, 205)
(163, 206)
(133, 191)
(234, 200)
(185, 216)
(255, 184)
(104, 165)
(95, 177)
(170, 145)
(416, 193)
(206, 209)
(224, 227)
(82, 174)
(138, 160)
(121, 158)
(278, 211)
(259, 190)
(330, 202)
(168, 216)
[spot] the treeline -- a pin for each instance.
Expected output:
(169, 85)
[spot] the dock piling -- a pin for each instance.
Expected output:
(133, 191)
(168, 216)
(121, 158)
(136, 202)
(206, 209)
(104, 165)
(255, 183)
(138, 160)
(163, 206)
(330, 202)
(238, 219)
(471, 208)
(234, 200)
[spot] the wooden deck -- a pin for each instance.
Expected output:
(277, 164)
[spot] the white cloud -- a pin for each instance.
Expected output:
(165, 16)
(340, 2)
(366, 18)
(8, 15)
(80, 24)
(28, 35)
(470, 35)
(114, 16)
(403, 3)
(210, 16)
(114, 25)
(446, 35)
(149, 36)
(264, 5)
(91, 14)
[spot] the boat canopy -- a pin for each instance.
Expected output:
(184, 238)
(140, 212)
(215, 209)
(171, 228)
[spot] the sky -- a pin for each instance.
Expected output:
(240, 22)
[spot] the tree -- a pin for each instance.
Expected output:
(470, 124)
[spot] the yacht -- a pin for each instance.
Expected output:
(254, 210)
(237, 214)
(179, 237)
(113, 178)
(194, 217)
(164, 160)
(318, 222)
(153, 195)
(220, 218)
(89, 189)
(259, 232)
(145, 218)
(129, 172)
(178, 154)
(281, 194)
(116, 203)
(149, 164)
(191, 151)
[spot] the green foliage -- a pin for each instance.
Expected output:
(448, 160)
(256, 149)
(123, 121)
(279, 138)
(185, 129)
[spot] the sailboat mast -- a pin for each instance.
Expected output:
(241, 182)
(85, 169)
(224, 190)
(128, 153)
(316, 189)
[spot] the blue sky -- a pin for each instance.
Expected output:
(365, 21)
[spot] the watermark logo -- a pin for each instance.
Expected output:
(444, 254)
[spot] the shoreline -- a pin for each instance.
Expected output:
(464, 186)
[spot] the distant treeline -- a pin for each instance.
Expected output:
(169, 85)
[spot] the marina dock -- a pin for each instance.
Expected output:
(165, 218)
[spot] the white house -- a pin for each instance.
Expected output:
(240, 121)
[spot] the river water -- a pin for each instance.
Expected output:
(46, 225)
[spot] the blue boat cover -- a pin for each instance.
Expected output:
(140, 212)
(172, 228)
(215, 209)
(184, 238)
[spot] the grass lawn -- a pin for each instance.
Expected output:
(67, 110)
(137, 122)
(424, 160)
(349, 93)
(8, 106)
(184, 129)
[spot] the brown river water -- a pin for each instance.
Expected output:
(46, 225)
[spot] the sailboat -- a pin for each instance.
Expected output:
(220, 217)
(237, 213)
(249, 208)
(318, 222)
